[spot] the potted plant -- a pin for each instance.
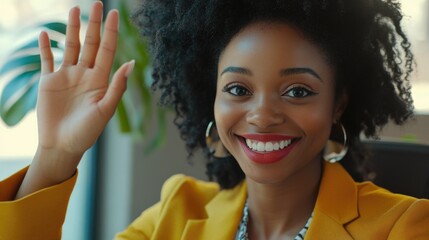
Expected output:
(136, 112)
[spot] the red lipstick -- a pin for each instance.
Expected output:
(267, 157)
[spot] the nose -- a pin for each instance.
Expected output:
(265, 113)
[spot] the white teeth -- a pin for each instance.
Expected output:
(276, 146)
(261, 146)
(254, 146)
(267, 146)
(249, 143)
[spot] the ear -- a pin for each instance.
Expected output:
(340, 106)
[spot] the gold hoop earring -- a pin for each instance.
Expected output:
(335, 151)
(213, 142)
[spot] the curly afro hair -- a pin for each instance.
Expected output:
(363, 40)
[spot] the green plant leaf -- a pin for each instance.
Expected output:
(55, 26)
(20, 93)
(21, 81)
(141, 115)
(20, 62)
(19, 97)
(123, 119)
(35, 44)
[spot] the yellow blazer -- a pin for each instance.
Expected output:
(193, 209)
(38, 216)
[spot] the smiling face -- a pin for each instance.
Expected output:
(274, 102)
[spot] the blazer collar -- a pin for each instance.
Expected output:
(337, 194)
(224, 213)
(336, 206)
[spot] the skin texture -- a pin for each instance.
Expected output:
(258, 99)
(76, 101)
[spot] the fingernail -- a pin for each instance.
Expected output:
(130, 68)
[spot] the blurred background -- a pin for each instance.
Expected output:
(122, 175)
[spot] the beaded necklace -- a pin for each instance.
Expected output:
(243, 234)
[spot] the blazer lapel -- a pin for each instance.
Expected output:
(224, 214)
(336, 204)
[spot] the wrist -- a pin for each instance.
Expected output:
(49, 167)
(55, 165)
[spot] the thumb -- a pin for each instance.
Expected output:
(116, 88)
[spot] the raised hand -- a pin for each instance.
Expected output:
(75, 102)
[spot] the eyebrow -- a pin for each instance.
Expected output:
(283, 72)
(239, 70)
(302, 70)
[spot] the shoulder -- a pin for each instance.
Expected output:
(371, 194)
(182, 198)
(182, 186)
(403, 216)
(186, 196)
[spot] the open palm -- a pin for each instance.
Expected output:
(76, 101)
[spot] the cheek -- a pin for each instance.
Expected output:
(223, 115)
(227, 115)
(315, 121)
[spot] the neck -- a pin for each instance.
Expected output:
(280, 210)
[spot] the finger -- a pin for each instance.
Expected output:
(71, 53)
(92, 37)
(46, 56)
(107, 49)
(116, 88)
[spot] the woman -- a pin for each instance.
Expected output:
(260, 86)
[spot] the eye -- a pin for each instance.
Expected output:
(298, 92)
(236, 90)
